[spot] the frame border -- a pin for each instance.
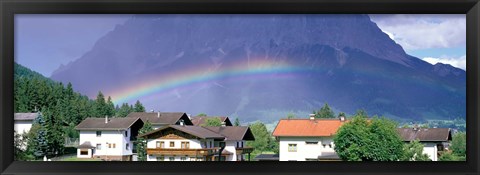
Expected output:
(8, 9)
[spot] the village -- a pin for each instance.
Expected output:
(177, 136)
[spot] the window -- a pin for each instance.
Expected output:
(185, 145)
(172, 144)
(241, 144)
(99, 146)
(83, 152)
(161, 158)
(157, 144)
(211, 144)
(183, 158)
(171, 158)
(162, 144)
(238, 144)
(114, 145)
(330, 145)
(292, 147)
(311, 143)
(126, 133)
(99, 133)
(324, 145)
(127, 146)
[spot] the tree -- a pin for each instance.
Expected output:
(124, 110)
(341, 114)
(100, 105)
(212, 122)
(110, 107)
(202, 115)
(459, 144)
(325, 112)
(39, 143)
(142, 142)
(237, 122)
(413, 151)
(21, 152)
(263, 139)
(291, 116)
(138, 107)
(364, 139)
(449, 156)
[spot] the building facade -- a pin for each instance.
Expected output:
(434, 140)
(307, 139)
(23, 122)
(108, 139)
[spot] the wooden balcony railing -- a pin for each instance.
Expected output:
(183, 151)
(244, 150)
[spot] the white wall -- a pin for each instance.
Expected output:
(116, 137)
(22, 126)
(431, 150)
(304, 151)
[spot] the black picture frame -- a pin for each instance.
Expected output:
(8, 8)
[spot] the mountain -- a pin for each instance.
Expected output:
(343, 60)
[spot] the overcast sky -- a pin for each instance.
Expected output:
(44, 42)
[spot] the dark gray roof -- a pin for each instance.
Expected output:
(85, 145)
(233, 132)
(199, 120)
(425, 134)
(112, 124)
(267, 157)
(328, 156)
(161, 118)
(25, 116)
(197, 131)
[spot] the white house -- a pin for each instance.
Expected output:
(307, 139)
(23, 122)
(108, 138)
(159, 119)
(433, 139)
(195, 143)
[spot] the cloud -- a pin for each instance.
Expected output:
(417, 31)
(455, 62)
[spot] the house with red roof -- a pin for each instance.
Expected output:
(307, 139)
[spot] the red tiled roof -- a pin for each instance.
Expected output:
(307, 127)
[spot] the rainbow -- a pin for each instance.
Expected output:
(191, 78)
(258, 69)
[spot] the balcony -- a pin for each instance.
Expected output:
(183, 151)
(244, 150)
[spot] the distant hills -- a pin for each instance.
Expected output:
(286, 63)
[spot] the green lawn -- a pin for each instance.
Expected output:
(78, 159)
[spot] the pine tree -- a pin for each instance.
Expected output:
(39, 142)
(138, 107)
(110, 108)
(142, 142)
(100, 105)
(124, 110)
(237, 122)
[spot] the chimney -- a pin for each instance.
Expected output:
(224, 124)
(189, 116)
(152, 111)
(312, 116)
(158, 114)
(415, 127)
(106, 119)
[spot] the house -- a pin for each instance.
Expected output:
(159, 119)
(307, 139)
(23, 122)
(235, 141)
(108, 138)
(200, 120)
(433, 139)
(195, 143)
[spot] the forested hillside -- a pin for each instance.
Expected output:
(61, 110)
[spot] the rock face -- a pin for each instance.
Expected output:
(348, 62)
